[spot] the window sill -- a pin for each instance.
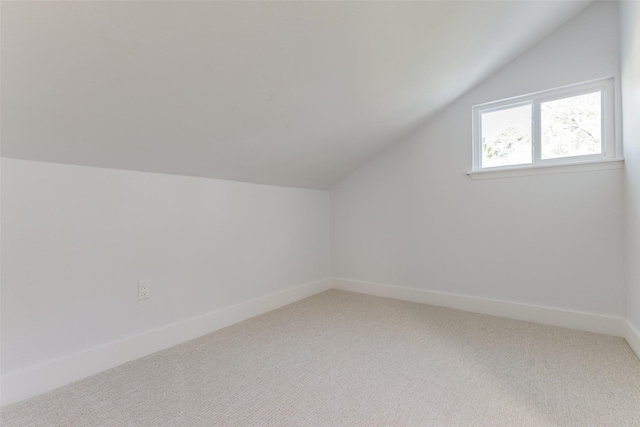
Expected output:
(547, 169)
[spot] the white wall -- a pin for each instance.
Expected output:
(630, 68)
(413, 218)
(76, 240)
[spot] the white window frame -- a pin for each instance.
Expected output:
(609, 149)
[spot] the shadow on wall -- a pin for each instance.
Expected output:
(629, 50)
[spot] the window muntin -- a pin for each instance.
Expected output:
(568, 125)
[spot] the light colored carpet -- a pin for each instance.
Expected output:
(345, 359)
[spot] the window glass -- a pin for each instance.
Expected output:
(506, 137)
(571, 126)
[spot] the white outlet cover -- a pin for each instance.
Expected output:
(144, 289)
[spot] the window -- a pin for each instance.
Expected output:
(562, 126)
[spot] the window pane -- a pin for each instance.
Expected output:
(571, 126)
(506, 137)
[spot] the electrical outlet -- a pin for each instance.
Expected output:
(144, 289)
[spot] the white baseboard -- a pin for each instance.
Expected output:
(57, 373)
(548, 316)
(633, 338)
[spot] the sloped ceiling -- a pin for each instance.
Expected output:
(287, 93)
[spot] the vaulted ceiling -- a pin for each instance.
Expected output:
(287, 93)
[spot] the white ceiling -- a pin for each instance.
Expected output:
(287, 93)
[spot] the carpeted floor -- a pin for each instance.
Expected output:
(345, 359)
